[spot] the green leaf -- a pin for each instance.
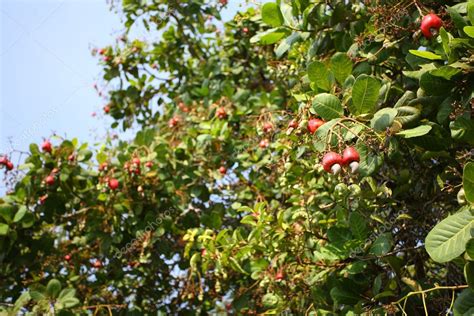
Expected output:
(286, 44)
(341, 66)
(435, 85)
(365, 93)
(287, 12)
(22, 300)
(470, 11)
(53, 288)
(339, 235)
(383, 119)
(470, 248)
(415, 132)
(37, 295)
(249, 219)
(69, 302)
(320, 74)
(67, 293)
(358, 225)
(444, 110)
(464, 303)
(370, 161)
(469, 274)
(28, 220)
(458, 20)
(20, 214)
(377, 285)
(322, 133)
(7, 211)
(446, 72)
(271, 14)
(3, 229)
(236, 266)
(447, 240)
(269, 37)
(445, 40)
(327, 106)
(468, 181)
(343, 296)
(407, 114)
(84, 155)
(469, 30)
(462, 129)
(407, 96)
(381, 245)
(425, 54)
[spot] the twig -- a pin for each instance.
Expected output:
(108, 306)
(436, 288)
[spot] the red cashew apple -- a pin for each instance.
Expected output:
(279, 276)
(351, 158)
(173, 122)
(67, 257)
(3, 160)
(430, 25)
(264, 143)
(46, 146)
(43, 199)
(9, 165)
(183, 107)
(49, 180)
(293, 124)
(113, 184)
(267, 127)
(221, 113)
(332, 162)
(136, 161)
(97, 264)
(314, 124)
(106, 109)
(223, 170)
(103, 166)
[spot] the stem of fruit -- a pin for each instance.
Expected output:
(351, 131)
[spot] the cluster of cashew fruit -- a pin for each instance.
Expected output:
(333, 162)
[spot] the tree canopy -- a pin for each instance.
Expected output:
(227, 199)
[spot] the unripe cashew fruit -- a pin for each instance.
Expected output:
(355, 190)
(340, 190)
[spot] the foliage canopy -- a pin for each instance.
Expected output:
(271, 232)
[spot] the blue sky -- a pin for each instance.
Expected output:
(47, 71)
